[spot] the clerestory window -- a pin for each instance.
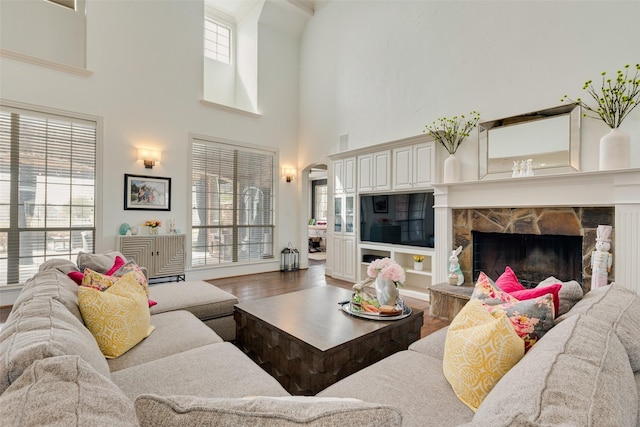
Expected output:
(217, 39)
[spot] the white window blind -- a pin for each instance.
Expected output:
(47, 190)
(232, 203)
(217, 40)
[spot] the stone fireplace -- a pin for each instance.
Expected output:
(535, 242)
(571, 204)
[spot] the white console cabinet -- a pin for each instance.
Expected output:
(162, 255)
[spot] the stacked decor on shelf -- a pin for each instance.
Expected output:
(615, 99)
(450, 132)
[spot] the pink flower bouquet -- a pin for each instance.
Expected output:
(386, 268)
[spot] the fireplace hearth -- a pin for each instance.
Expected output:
(532, 257)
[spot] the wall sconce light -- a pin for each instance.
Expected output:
(289, 174)
(149, 157)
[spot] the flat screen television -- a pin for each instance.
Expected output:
(400, 219)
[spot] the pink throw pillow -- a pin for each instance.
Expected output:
(508, 281)
(76, 276)
(119, 262)
(152, 303)
(526, 294)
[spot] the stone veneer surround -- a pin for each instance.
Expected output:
(538, 221)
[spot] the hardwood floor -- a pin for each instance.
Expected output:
(264, 285)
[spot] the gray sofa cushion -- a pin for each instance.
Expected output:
(577, 374)
(202, 299)
(51, 283)
(65, 391)
(570, 293)
(411, 382)
(156, 411)
(62, 265)
(214, 370)
(618, 307)
(43, 328)
(432, 345)
(175, 332)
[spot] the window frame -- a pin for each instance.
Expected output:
(96, 123)
(221, 20)
(237, 212)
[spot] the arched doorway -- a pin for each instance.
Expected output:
(316, 202)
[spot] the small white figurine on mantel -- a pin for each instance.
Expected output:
(456, 277)
(529, 167)
(522, 168)
(515, 169)
(601, 259)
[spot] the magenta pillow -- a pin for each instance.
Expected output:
(152, 303)
(526, 294)
(119, 262)
(508, 281)
(76, 276)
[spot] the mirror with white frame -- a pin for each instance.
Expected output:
(550, 138)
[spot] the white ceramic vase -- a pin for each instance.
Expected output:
(386, 291)
(417, 265)
(615, 150)
(452, 169)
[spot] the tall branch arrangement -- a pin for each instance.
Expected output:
(451, 132)
(616, 98)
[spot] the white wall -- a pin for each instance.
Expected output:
(380, 70)
(147, 64)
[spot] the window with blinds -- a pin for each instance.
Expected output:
(217, 40)
(47, 190)
(232, 203)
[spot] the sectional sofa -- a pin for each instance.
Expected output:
(584, 371)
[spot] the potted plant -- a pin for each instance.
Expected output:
(418, 262)
(388, 275)
(613, 102)
(450, 132)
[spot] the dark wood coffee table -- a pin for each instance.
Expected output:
(305, 341)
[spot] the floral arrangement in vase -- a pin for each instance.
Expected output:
(450, 132)
(615, 99)
(418, 258)
(388, 269)
(153, 225)
(417, 262)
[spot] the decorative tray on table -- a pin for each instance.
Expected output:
(401, 312)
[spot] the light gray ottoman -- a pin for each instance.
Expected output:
(208, 303)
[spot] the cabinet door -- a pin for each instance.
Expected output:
(349, 177)
(402, 168)
(382, 170)
(423, 164)
(349, 214)
(337, 214)
(338, 257)
(349, 256)
(365, 172)
(140, 249)
(338, 175)
(170, 255)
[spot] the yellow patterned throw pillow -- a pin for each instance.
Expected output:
(118, 317)
(479, 349)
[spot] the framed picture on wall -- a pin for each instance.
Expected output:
(149, 193)
(380, 204)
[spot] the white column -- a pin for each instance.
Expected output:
(627, 246)
(443, 225)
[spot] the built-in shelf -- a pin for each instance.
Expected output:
(417, 282)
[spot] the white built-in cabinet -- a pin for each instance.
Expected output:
(344, 175)
(374, 171)
(413, 166)
(162, 255)
(397, 166)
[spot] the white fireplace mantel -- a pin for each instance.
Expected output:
(620, 189)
